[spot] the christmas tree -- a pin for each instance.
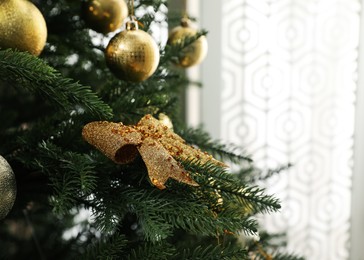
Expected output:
(89, 186)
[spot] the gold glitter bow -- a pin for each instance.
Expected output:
(155, 142)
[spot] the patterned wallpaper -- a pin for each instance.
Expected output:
(289, 71)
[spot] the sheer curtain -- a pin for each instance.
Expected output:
(281, 80)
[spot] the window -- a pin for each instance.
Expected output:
(281, 80)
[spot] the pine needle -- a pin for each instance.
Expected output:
(25, 70)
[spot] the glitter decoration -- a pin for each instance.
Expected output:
(7, 188)
(192, 54)
(104, 16)
(22, 26)
(132, 54)
(165, 120)
(158, 146)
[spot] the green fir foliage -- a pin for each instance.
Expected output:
(219, 150)
(28, 72)
(72, 201)
(106, 248)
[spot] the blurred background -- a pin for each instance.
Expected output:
(283, 79)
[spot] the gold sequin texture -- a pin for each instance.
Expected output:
(7, 188)
(132, 54)
(22, 26)
(104, 16)
(157, 144)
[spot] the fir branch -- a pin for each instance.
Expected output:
(106, 248)
(167, 211)
(219, 150)
(109, 206)
(228, 252)
(159, 213)
(71, 174)
(140, 105)
(211, 176)
(172, 53)
(107, 215)
(25, 70)
(152, 251)
(275, 256)
(286, 256)
(255, 175)
(270, 245)
(154, 227)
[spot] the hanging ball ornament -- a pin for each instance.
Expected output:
(7, 188)
(104, 16)
(195, 52)
(132, 55)
(22, 26)
(165, 120)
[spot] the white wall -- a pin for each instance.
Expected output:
(357, 212)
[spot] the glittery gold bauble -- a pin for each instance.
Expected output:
(104, 16)
(132, 54)
(22, 26)
(7, 188)
(192, 54)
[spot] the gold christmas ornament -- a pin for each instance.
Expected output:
(104, 16)
(132, 54)
(192, 54)
(22, 26)
(165, 120)
(158, 146)
(7, 188)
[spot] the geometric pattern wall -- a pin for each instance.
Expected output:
(288, 95)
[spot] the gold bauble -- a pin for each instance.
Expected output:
(22, 26)
(192, 54)
(165, 120)
(104, 16)
(132, 54)
(7, 188)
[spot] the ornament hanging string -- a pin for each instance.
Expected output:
(132, 16)
(132, 54)
(131, 3)
(184, 11)
(104, 16)
(196, 51)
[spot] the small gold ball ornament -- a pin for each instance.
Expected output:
(7, 188)
(104, 16)
(192, 54)
(22, 26)
(165, 120)
(132, 54)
